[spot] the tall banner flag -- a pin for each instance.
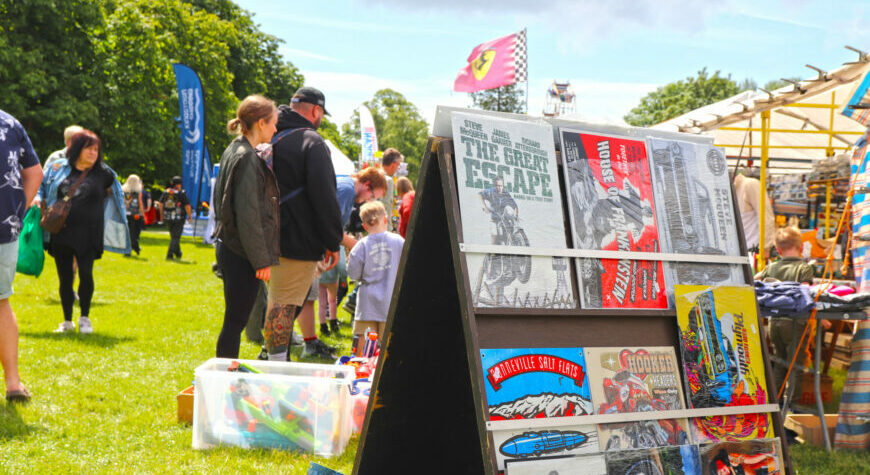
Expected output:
(368, 136)
(195, 162)
(494, 64)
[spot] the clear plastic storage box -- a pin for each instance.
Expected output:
(293, 406)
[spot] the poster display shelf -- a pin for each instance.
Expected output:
(519, 424)
(599, 254)
(456, 221)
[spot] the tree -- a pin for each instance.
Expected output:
(681, 96)
(107, 65)
(49, 73)
(398, 124)
(143, 39)
(508, 98)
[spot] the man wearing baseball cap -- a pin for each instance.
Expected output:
(310, 220)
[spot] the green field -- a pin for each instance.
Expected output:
(106, 402)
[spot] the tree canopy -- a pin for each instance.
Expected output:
(398, 124)
(679, 97)
(508, 98)
(107, 65)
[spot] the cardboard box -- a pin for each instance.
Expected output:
(185, 405)
(267, 404)
(809, 427)
(806, 395)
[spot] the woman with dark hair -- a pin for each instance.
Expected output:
(96, 220)
(245, 201)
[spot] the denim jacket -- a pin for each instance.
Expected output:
(116, 235)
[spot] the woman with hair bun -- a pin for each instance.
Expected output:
(96, 221)
(246, 214)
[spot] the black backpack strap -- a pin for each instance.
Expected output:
(277, 138)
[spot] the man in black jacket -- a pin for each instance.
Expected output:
(311, 225)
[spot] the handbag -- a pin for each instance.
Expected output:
(31, 256)
(54, 218)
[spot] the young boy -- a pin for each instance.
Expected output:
(789, 268)
(373, 262)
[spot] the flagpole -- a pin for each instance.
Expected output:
(526, 36)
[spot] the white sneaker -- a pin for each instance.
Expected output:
(296, 339)
(85, 325)
(65, 327)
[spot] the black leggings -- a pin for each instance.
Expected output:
(240, 293)
(63, 260)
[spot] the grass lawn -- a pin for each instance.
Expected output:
(106, 402)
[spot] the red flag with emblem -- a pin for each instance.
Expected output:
(495, 63)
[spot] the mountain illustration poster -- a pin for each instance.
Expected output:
(529, 383)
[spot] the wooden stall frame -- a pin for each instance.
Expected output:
(428, 412)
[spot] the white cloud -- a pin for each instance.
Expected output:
(290, 54)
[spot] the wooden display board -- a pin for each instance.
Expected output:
(427, 412)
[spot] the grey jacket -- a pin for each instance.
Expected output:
(246, 205)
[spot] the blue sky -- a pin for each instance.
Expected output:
(613, 52)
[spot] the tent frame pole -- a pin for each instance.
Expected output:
(765, 155)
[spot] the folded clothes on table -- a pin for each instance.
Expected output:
(829, 302)
(782, 298)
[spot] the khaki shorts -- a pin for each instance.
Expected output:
(359, 327)
(290, 282)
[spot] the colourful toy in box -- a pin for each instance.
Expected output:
(274, 415)
(721, 345)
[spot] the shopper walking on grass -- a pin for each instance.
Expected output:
(20, 175)
(135, 206)
(246, 211)
(175, 207)
(94, 194)
(406, 192)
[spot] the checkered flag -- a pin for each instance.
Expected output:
(521, 62)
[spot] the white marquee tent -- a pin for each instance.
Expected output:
(803, 119)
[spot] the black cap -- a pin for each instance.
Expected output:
(311, 96)
(176, 180)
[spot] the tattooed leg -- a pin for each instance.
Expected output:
(278, 328)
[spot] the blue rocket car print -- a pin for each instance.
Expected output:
(530, 444)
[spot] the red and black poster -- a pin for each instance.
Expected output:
(612, 208)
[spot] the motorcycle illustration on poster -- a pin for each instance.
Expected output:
(612, 208)
(637, 379)
(695, 214)
(509, 195)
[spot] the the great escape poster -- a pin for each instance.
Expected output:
(509, 195)
(694, 210)
(612, 208)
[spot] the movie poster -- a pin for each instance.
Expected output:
(530, 383)
(694, 210)
(736, 427)
(509, 195)
(753, 457)
(673, 460)
(625, 380)
(532, 443)
(571, 465)
(612, 208)
(721, 346)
